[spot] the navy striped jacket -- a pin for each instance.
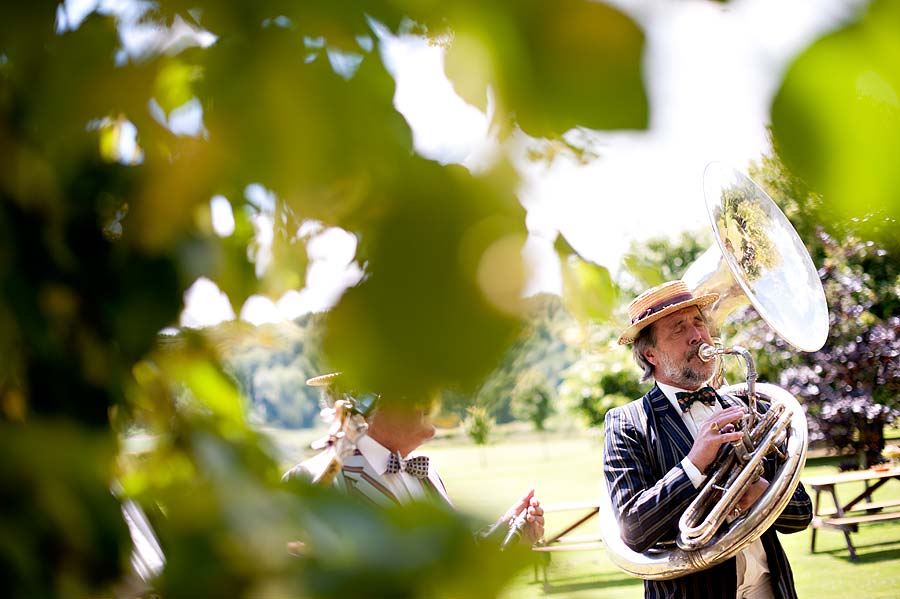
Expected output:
(645, 442)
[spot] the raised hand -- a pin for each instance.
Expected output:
(717, 430)
(529, 518)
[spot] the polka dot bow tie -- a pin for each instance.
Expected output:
(417, 466)
(706, 395)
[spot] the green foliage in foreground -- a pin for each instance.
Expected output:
(105, 222)
(99, 241)
(836, 118)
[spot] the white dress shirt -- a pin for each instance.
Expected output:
(404, 486)
(752, 567)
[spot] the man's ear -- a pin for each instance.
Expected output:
(650, 356)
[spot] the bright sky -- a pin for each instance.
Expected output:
(710, 70)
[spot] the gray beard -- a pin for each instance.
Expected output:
(685, 375)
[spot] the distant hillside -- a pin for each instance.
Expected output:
(272, 362)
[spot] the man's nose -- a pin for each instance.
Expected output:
(696, 335)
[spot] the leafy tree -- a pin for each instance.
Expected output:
(105, 222)
(271, 364)
(605, 376)
(543, 347)
(850, 386)
(280, 398)
(599, 381)
(532, 399)
(479, 424)
(659, 259)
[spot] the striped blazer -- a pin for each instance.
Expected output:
(645, 442)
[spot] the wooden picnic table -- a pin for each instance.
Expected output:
(564, 540)
(862, 509)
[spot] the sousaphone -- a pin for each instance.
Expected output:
(757, 259)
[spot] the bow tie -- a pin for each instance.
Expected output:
(417, 466)
(705, 395)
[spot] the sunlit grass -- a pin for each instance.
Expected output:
(566, 467)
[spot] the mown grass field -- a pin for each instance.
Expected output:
(566, 467)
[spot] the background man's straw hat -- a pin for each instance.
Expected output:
(322, 380)
(363, 403)
(658, 302)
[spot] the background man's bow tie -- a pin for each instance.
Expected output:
(706, 395)
(417, 466)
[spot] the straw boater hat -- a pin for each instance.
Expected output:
(322, 380)
(363, 404)
(660, 301)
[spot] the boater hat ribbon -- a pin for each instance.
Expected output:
(682, 297)
(658, 302)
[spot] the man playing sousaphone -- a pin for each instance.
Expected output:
(658, 448)
(383, 464)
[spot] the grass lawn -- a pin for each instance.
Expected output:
(566, 467)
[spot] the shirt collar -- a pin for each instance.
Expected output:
(375, 453)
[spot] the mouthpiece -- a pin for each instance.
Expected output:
(707, 352)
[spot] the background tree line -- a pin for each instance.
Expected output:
(271, 364)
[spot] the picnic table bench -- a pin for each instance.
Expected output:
(564, 539)
(862, 509)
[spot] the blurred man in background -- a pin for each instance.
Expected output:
(386, 468)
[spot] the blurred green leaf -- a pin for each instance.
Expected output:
(287, 268)
(225, 529)
(653, 261)
(836, 118)
(226, 260)
(174, 84)
(420, 320)
(211, 387)
(61, 531)
(551, 66)
(423, 551)
(98, 246)
(562, 247)
(588, 291)
(183, 378)
(317, 140)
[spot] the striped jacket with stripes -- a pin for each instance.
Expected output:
(358, 478)
(645, 442)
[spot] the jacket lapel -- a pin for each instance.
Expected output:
(674, 437)
(363, 480)
(728, 401)
(435, 494)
